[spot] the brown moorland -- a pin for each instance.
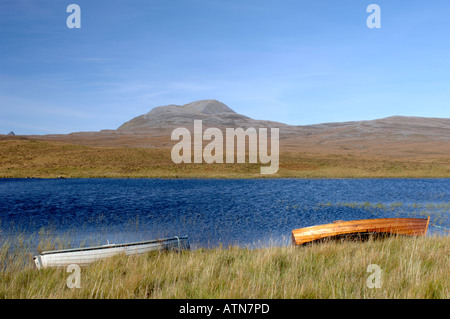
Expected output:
(396, 146)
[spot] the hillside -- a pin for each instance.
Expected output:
(396, 146)
(212, 112)
(396, 136)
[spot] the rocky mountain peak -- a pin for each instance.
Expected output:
(208, 107)
(212, 112)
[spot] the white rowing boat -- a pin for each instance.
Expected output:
(84, 256)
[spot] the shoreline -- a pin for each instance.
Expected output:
(223, 178)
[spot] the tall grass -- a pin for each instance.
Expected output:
(414, 267)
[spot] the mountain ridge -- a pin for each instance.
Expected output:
(212, 109)
(393, 136)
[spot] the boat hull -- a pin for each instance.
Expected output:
(85, 256)
(392, 226)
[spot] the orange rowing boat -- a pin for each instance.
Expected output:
(361, 228)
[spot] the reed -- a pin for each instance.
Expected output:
(414, 267)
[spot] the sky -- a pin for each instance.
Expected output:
(291, 61)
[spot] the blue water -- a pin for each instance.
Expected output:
(210, 212)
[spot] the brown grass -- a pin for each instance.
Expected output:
(43, 159)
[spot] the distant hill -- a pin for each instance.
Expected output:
(212, 112)
(394, 136)
(216, 114)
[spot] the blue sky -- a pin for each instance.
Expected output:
(297, 62)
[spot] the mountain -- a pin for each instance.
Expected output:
(395, 136)
(216, 114)
(212, 112)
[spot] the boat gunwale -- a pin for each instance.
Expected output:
(108, 246)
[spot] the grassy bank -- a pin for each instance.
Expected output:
(410, 268)
(30, 158)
